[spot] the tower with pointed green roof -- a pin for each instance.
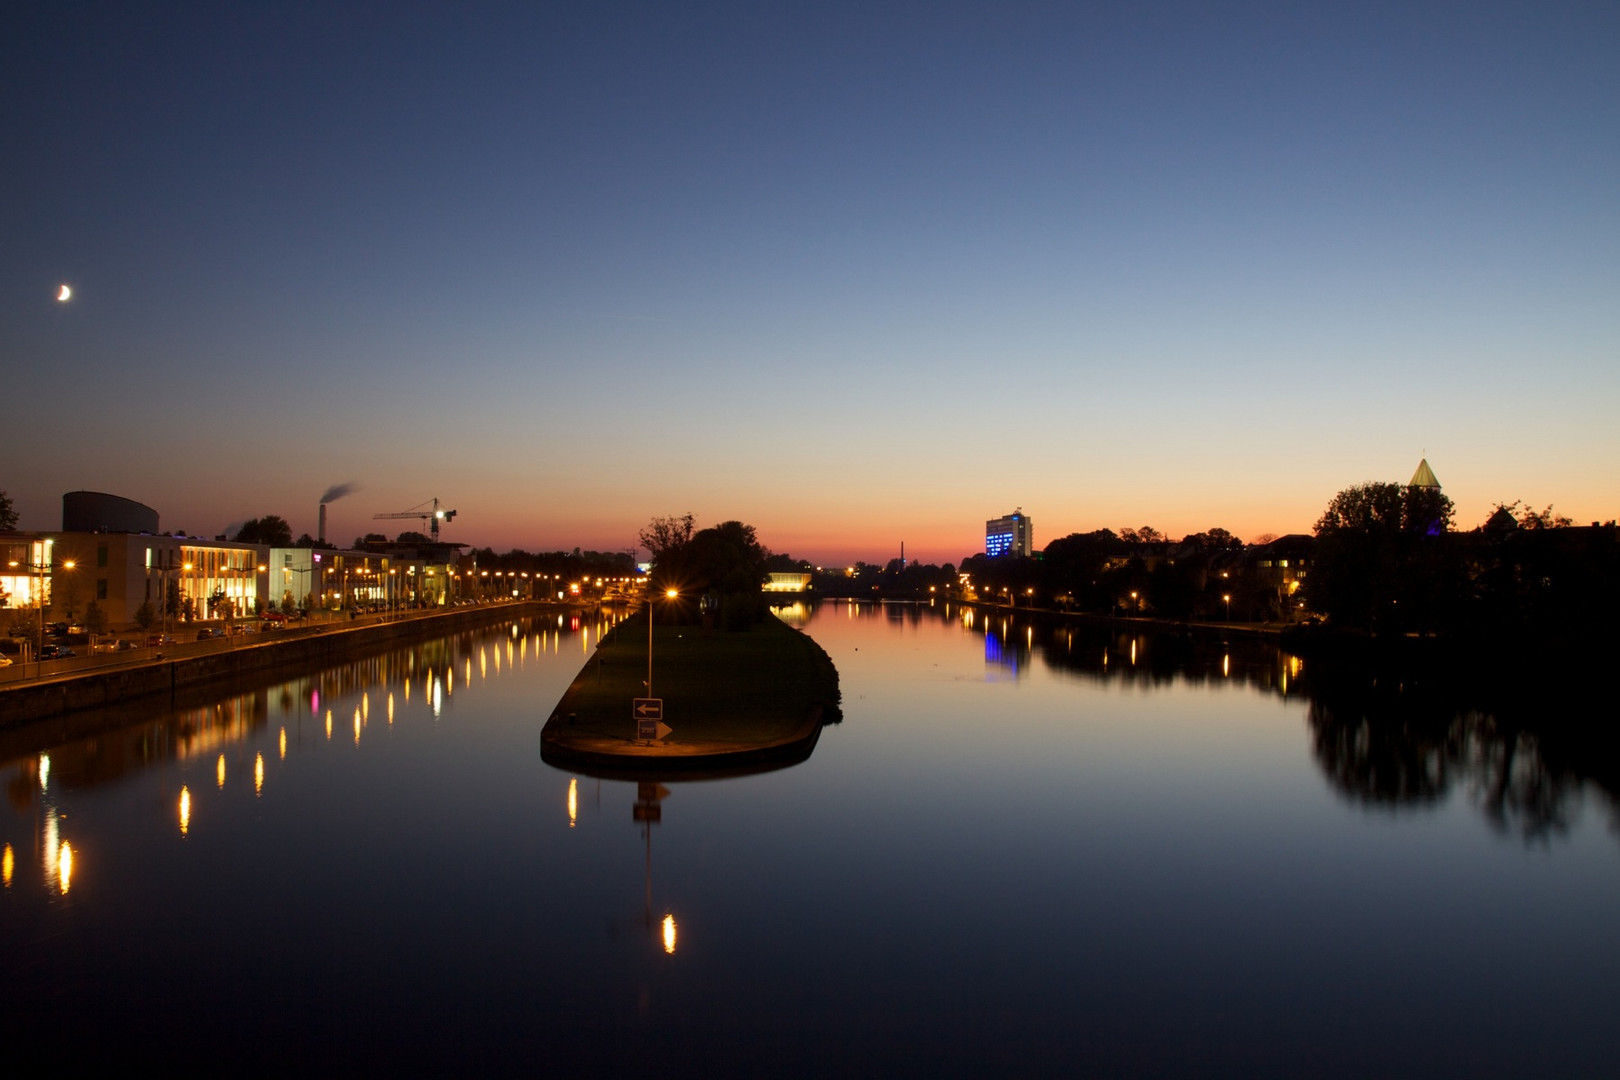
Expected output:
(1424, 477)
(1423, 484)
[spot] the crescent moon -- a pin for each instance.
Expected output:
(64, 294)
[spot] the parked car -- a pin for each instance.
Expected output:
(209, 632)
(5, 661)
(104, 647)
(273, 617)
(56, 652)
(155, 640)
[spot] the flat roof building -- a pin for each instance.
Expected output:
(1010, 535)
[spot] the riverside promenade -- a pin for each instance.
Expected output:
(104, 680)
(734, 701)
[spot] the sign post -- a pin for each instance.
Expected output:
(649, 714)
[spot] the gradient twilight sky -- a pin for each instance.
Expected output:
(853, 273)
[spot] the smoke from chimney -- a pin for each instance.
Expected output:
(332, 494)
(337, 491)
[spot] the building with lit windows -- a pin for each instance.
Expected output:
(106, 561)
(787, 582)
(26, 560)
(1010, 535)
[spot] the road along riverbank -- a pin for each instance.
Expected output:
(732, 700)
(301, 650)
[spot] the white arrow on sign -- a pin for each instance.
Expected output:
(663, 729)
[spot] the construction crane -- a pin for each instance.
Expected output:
(428, 511)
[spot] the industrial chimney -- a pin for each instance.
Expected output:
(321, 531)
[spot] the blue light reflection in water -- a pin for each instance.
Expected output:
(1025, 849)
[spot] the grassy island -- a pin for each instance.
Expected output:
(732, 699)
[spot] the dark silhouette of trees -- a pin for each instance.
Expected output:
(1536, 574)
(1213, 540)
(1077, 570)
(1385, 561)
(8, 513)
(270, 530)
(665, 533)
(724, 566)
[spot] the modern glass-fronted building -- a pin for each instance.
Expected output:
(1010, 535)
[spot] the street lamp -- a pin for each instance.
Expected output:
(39, 569)
(1227, 597)
(39, 600)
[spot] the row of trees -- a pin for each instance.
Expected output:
(1385, 559)
(1388, 562)
(1133, 571)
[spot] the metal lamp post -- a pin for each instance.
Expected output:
(669, 594)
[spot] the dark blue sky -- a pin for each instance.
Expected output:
(854, 273)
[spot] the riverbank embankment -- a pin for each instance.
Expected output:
(222, 663)
(731, 699)
(1137, 622)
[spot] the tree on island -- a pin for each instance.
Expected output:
(667, 533)
(725, 563)
(269, 530)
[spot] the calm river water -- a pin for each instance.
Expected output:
(1026, 849)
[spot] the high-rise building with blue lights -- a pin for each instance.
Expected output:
(1010, 535)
